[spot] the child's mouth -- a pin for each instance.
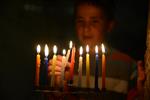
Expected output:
(87, 37)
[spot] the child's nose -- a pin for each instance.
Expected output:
(87, 29)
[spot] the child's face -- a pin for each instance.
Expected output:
(91, 24)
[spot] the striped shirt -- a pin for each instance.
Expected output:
(120, 72)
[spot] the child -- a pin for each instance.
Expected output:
(94, 19)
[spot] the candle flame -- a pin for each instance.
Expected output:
(64, 52)
(87, 48)
(70, 44)
(55, 49)
(81, 50)
(103, 48)
(38, 48)
(96, 49)
(46, 50)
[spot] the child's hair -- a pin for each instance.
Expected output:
(105, 5)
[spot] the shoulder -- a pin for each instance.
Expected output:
(125, 60)
(119, 56)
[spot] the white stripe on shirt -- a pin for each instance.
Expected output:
(112, 84)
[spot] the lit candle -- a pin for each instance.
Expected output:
(80, 67)
(87, 67)
(69, 50)
(63, 66)
(96, 69)
(72, 63)
(103, 67)
(46, 50)
(53, 65)
(38, 62)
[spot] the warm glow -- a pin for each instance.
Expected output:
(38, 48)
(103, 48)
(87, 48)
(96, 49)
(46, 50)
(70, 44)
(64, 52)
(81, 50)
(55, 49)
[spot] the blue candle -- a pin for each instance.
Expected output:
(46, 64)
(96, 69)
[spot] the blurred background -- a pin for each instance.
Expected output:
(25, 23)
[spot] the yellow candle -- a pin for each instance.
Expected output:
(80, 67)
(87, 67)
(68, 52)
(53, 66)
(38, 62)
(103, 67)
(63, 66)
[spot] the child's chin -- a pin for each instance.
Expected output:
(90, 43)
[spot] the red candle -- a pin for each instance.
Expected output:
(69, 50)
(72, 62)
(103, 67)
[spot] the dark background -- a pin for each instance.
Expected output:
(25, 23)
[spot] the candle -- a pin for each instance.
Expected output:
(80, 67)
(96, 69)
(46, 50)
(87, 67)
(53, 65)
(38, 62)
(103, 67)
(68, 52)
(63, 66)
(72, 63)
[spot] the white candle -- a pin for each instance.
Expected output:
(53, 65)
(63, 66)
(80, 67)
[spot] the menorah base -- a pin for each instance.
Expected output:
(75, 93)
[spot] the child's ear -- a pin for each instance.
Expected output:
(111, 25)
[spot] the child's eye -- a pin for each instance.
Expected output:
(80, 21)
(95, 21)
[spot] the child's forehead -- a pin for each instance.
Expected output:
(90, 7)
(98, 7)
(89, 10)
(102, 9)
